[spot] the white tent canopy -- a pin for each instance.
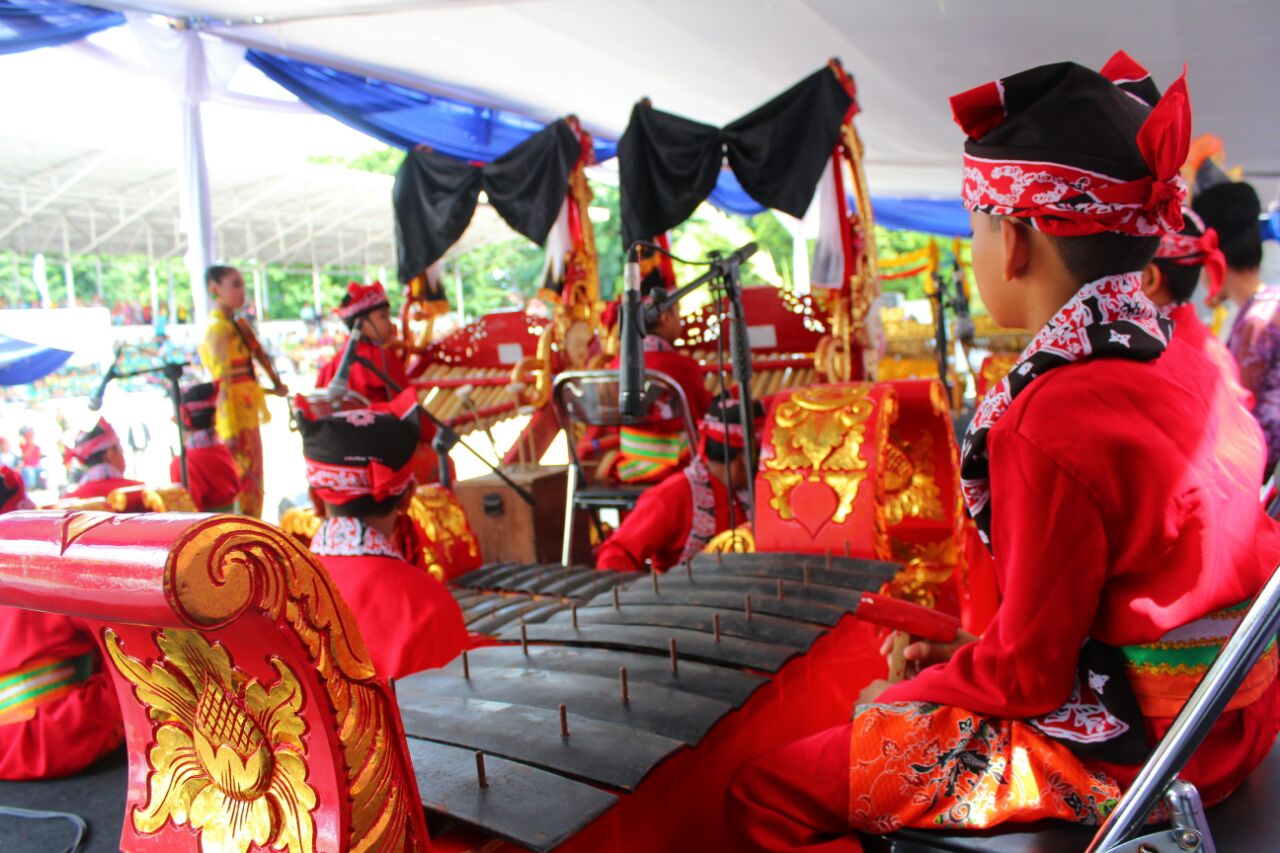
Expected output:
(715, 59)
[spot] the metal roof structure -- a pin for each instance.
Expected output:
(72, 198)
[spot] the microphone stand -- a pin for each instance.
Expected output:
(941, 301)
(446, 438)
(172, 371)
(725, 272)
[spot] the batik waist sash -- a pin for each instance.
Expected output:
(38, 683)
(1163, 674)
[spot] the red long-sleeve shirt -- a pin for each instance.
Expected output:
(1124, 505)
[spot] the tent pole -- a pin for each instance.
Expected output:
(197, 216)
(151, 277)
(68, 271)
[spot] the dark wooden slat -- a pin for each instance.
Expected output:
(731, 686)
(730, 651)
(527, 806)
(762, 628)
(602, 753)
(661, 710)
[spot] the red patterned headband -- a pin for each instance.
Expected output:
(732, 435)
(1186, 250)
(1066, 201)
(340, 484)
(104, 440)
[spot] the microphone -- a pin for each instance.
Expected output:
(338, 385)
(95, 399)
(742, 254)
(631, 346)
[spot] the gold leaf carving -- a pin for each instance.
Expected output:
(226, 564)
(910, 480)
(227, 755)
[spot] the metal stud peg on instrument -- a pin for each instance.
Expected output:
(564, 720)
(746, 607)
(524, 639)
(626, 694)
(481, 777)
(466, 667)
(828, 558)
(804, 573)
(781, 591)
(688, 569)
(675, 660)
(715, 625)
(573, 611)
(654, 574)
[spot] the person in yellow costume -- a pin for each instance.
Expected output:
(241, 402)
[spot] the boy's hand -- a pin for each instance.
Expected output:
(924, 653)
(872, 691)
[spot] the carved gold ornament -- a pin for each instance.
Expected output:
(911, 486)
(228, 564)
(443, 524)
(740, 541)
(820, 429)
(227, 756)
(301, 522)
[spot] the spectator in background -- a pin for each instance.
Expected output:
(32, 470)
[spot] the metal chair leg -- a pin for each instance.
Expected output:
(571, 497)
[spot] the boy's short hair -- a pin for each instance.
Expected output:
(715, 451)
(1179, 280)
(1096, 256)
(214, 274)
(1232, 209)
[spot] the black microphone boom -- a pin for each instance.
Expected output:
(95, 399)
(631, 343)
(338, 386)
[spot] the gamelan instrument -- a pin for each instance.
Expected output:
(627, 693)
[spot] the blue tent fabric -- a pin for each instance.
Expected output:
(944, 217)
(22, 363)
(404, 117)
(31, 24)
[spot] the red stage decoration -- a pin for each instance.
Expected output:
(868, 470)
(250, 705)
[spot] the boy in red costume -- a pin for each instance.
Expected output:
(1170, 280)
(653, 453)
(99, 451)
(674, 521)
(58, 713)
(359, 466)
(213, 480)
(365, 308)
(1112, 473)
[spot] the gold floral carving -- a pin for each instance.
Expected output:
(911, 485)
(739, 541)
(443, 524)
(169, 499)
(227, 755)
(225, 565)
(817, 436)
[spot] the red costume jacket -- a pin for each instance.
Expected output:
(363, 381)
(687, 373)
(213, 480)
(366, 383)
(1190, 330)
(58, 712)
(672, 522)
(101, 488)
(1124, 505)
(408, 619)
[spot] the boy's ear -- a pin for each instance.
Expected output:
(1016, 238)
(1152, 280)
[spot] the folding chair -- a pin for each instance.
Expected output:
(1242, 828)
(590, 398)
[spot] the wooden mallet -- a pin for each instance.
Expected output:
(909, 621)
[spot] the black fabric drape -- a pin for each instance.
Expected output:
(435, 195)
(669, 164)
